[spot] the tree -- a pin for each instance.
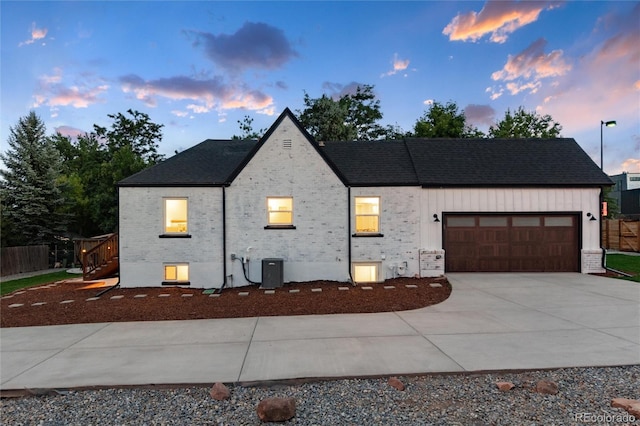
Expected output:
(363, 113)
(351, 117)
(325, 119)
(137, 134)
(444, 121)
(246, 127)
(393, 132)
(30, 189)
(82, 160)
(524, 124)
(95, 162)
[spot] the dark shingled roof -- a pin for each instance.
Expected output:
(503, 162)
(376, 163)
(419, 162)
(210, 163)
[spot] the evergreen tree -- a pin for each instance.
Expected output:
(30, 188)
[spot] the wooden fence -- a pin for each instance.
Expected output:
(622, 235)
(16, 260)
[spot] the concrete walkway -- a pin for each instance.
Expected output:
(490, 322)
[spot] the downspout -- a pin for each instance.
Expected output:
(349, 232)
(224, 239)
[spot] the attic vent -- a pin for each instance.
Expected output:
(286, 144)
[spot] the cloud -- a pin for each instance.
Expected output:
(338, 90)
(533, 63)
(605, 79)
(69, 131)
(480, 115)
(631, 165)
(524, 71)
(603, 85)
(498, 18)
(85, 91)
(255, 45)
(208, 93)
(36, 34)
(398, 65)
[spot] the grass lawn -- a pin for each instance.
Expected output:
(625, 263)
(9, 286)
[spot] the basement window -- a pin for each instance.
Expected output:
(176, 273)
(366, 272)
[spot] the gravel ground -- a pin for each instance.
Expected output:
(584, 397)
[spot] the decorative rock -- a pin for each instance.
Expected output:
(505, 386)
(634, 410)
(276, 409)
(546, 387)
(632, 406)
(394, 382)
(219, 392)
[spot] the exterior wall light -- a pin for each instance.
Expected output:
(591, 217)
(435, 217)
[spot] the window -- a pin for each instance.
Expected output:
(461, 221)
(520, 221)
(280, 211)
(175, 215)
(366, 272)
(367, 215)
(493, 221)
(558, 221)
(176, 273)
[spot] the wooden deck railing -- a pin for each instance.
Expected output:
(100, 257)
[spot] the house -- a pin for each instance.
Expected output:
(222, 211)
(626, 192)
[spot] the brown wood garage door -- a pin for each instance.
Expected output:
(511, 243)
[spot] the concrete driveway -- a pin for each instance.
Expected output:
(490, 322)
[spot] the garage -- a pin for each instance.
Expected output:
(512, 242)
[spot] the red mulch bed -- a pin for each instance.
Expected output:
(189, 303)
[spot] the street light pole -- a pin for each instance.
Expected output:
(610, 123)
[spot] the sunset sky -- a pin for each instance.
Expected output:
(198, 67)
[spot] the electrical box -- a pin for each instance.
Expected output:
(272, 273)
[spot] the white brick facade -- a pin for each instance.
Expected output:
(322, 239)
(288, 165)
(143, 253)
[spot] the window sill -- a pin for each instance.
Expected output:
(174, 236)
(371, 235)
(279, 227)
(176, 283)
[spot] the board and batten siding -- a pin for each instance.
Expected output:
(515, 200)
(288, 165)
(143, 253)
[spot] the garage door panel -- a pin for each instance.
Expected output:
(515, 243)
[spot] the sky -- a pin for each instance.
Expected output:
(199, 67)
